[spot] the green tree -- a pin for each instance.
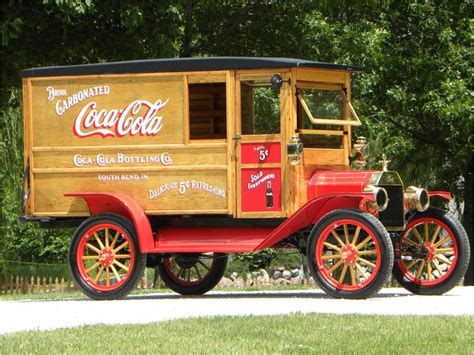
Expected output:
(418, 98)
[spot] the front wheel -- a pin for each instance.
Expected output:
(192, 273)
(350, 254)
(104, 257)
(434, 253)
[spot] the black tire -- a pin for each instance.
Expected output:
(130, 262)
(370, 248)
(443, 280)
(198, 282)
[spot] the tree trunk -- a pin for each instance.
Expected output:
(186, 49)
(467, 222)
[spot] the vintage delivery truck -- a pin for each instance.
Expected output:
(176, 163)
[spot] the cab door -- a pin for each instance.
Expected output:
(260, 147)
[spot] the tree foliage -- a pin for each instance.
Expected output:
(415, 96)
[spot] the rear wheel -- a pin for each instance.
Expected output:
(104, 257)
(350, 254)
(434, 253)
(192, 273)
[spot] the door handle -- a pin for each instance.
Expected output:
(237, 138)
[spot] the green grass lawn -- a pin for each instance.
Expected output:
(296, 333)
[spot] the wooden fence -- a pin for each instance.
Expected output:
(37, 285)
(25, 285)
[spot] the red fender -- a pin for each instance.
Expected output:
(312, 212)
(442, 194)
(123, 205)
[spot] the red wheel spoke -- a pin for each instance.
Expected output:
(429, 270)
(364, 242)
(364, 274)
(92, 267)
(123, 256)
(435, 234)
(438, 268)
(366, 262)
(97, 238)
(420, 269)
(442, 241)
(356, 236)
(443, 259)
(408, 241)
(426, 228)
(444, 250)
(93, 248)
(417, 235)
(207, 268)
(106, 237)
(112, 245)
(335, 266)
(123, 245)
(336, 236)
(120, 265)
(101, 270)
(331, 257)
(107, 276)
(114, 270)
(197, 271)
(409, 266)
(343, 273)
(90, 257)
(332, 246)
(353, 278)
(346, 234)
(368, 252)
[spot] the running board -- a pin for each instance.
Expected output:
(208, 239)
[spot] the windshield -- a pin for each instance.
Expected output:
(325, 105)
(324, 112)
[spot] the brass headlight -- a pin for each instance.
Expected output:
(381, 198)
(416, 198)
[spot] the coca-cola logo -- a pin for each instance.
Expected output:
(139, 117)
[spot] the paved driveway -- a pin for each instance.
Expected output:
(43, 315)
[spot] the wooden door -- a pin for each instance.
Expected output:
(260, 148)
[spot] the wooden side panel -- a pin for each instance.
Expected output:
(121, 134)
(168, 191)
(27, 154)
(321, 75)
(324, 157)
(84, 112)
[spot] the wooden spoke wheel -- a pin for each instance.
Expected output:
(104, 257)
(192, 273)
(350, 254)
(434, 253)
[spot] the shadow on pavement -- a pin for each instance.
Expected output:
(257, 294)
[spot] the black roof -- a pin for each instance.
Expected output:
(182, 65)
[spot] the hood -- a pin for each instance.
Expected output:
(325, 182)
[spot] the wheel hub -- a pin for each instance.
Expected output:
(106, 256)
(430, 251)
(349, 254)
(187, 261)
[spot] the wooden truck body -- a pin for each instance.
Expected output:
(180, 160)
